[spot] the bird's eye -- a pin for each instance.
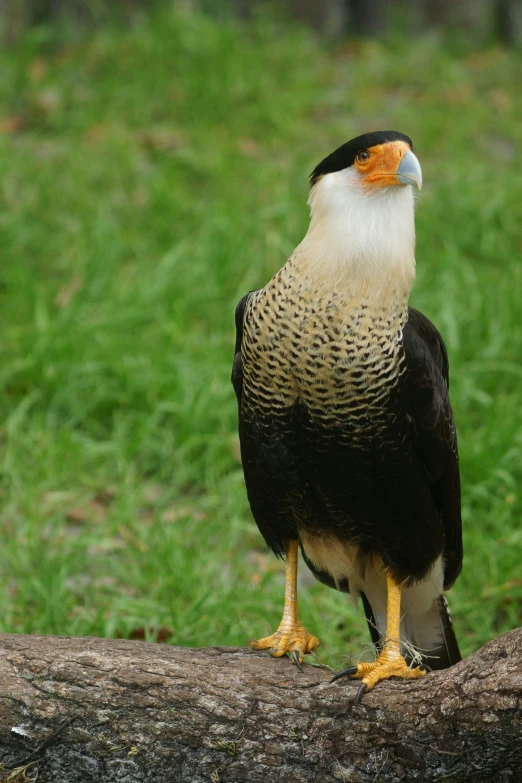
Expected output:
(362, 156)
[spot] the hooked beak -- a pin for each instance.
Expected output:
(409, 171)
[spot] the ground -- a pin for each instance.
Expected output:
(150, 178)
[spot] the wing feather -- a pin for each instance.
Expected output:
(237, 366)
(430, 408)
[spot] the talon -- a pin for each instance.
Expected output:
(425, 668)
(345, 673)
(360, 693)
(295, 658)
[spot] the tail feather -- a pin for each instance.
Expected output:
(431, 633)
(449, 653)
(372, 623)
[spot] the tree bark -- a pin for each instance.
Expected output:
(84, 709)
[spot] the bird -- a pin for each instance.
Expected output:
(347, 436)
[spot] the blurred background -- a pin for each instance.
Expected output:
(485, 20)
(154, 169)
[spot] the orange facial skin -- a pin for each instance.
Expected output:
(380, 170)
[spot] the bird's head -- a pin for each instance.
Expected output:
(362, 207)
(371, 162)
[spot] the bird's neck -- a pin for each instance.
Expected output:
(360, 245)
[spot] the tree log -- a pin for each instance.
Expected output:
(88, 710)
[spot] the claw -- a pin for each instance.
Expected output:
(360, 693)
(425, 668)
(295, 658)
(344, 673)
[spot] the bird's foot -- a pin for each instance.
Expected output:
(382, 669)
(291, 637)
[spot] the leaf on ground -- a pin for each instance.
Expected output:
(9, 125)
(37, 69)
(133, 540)
(261, 562)
(105, 546)
(457, 95)
(160, 139)
(68, 291)
(160, 635)
(53, 500)
(248, 147)
(96, 133)
(173, 513)
(152, 491)
(500, 99)
(77, 514)
(105, 496)
(48, 100)
(94, 510)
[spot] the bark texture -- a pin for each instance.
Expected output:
(76, 710)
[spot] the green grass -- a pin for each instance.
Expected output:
(149, 179)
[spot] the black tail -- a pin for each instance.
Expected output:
(448, 653)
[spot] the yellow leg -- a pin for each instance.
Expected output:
(290, 636)
(390, 662)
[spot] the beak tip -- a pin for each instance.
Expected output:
(409, 171)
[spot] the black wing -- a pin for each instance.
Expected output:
(269, 465)
(237, 367)
(429, 407)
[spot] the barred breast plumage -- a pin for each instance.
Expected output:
(339, 353)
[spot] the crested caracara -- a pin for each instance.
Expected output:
(347, 435)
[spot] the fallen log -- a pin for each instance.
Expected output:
(82, 710)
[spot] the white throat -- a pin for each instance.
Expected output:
(359, 237)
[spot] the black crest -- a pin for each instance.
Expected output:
(344, 156)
